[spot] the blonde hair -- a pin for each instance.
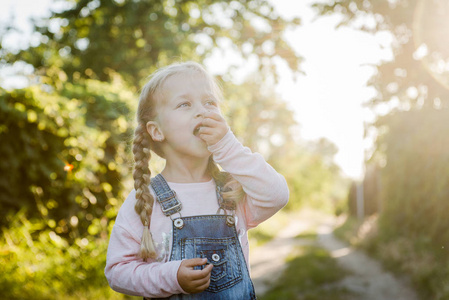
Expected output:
(142, 144)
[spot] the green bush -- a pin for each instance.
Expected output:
(55, 221)
(85, 126)
(39, 264)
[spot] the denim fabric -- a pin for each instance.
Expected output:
(212, 238)
(165, 196)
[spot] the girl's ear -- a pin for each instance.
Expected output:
(155, 132)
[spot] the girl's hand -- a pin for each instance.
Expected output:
(213, 129)
(194, 281)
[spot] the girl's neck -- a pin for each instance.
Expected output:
(186, 171)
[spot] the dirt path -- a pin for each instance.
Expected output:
(268, 261)
(367, 279)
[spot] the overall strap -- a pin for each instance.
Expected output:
(165, 196)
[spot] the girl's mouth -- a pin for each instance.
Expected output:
(197, 130)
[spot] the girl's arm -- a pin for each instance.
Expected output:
(130, 275)
(266, 190)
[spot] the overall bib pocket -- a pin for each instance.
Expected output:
(222, 253)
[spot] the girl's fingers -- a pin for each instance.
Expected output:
(203, 286)
(206, 271)
(193, 262)
(200, 276)
(209, 122)
(201, 281)
(206, 131)
(212, 130)
(213, 115)
(204, 277)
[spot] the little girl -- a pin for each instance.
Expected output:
(183, 233)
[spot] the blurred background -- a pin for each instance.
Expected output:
(347, 99)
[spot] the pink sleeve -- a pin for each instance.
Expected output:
(130, 275)
(266, 190)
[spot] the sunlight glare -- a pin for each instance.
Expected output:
(431, 37)
(68, 167)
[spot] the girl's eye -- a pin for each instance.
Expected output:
(184, 104)
(211, 102)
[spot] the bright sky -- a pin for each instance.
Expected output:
(338, 64)
(328, 99)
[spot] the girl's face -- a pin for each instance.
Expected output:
(180, 106)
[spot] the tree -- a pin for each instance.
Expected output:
(417, 76)
(90, 37)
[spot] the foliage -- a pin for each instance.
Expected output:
(87, 38)
(269, 229)
(313, 179)
(84, 126)
(413, 78)
(39, 264)
(259, 117)
(415, 173)
(415, 182)
(347, 230)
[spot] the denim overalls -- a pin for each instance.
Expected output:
(213, 237)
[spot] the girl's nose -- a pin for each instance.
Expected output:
(201, 111)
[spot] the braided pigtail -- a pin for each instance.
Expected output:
(232, 189)
(142, 177)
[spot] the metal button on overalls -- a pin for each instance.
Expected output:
(215, 257)
(179, 223)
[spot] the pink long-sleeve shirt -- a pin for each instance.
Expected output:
(266, 193)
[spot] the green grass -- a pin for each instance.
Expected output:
(348, 230)
(268, 230)
(311, 274)
(260, 237)
(309, 235)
